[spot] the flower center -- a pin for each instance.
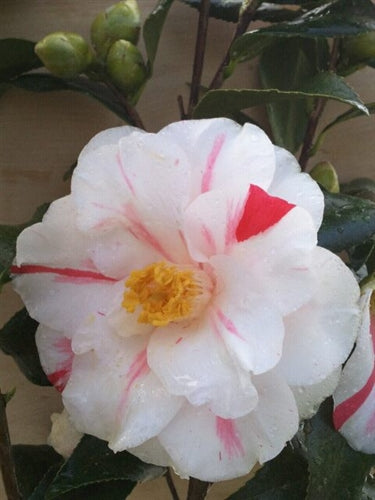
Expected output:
(163, 293)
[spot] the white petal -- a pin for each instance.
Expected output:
(320, 335)
(214, 449)
(112, 394)
(309, 397)
(220, 151)
(108, 137)
(299, 188)
(63, 437)
(277, 262)
(151, 452)
(192, 361)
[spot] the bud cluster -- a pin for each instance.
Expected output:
(114, 56)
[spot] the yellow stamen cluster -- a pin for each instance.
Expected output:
(164, 293)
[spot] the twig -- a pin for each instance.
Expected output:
(244, 20)
(131, 111)
(316, 113)
(181, 108)
(200, 48)
(197, 489)
(171, 486)
(6, 459)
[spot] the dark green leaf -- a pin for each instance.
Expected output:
(348, 221)
(40, 82)
(17, 339)
(8, 238)
(348, 115)
(108, 490)
(361, 255)
(336, 470)
(32, 463)
(333, 19)
(229, 11)
(9, 395)
(16, 57)
(283, 478)
(93, 462)
(224, 102)
(152, 29)
(284, 66)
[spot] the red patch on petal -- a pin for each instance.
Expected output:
(261, 211)
(60, 378)
(228, 435)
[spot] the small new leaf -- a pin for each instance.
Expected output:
(17, 56)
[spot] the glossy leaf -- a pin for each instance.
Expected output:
(283, 478)
(332, 19)
(93, 462)
(224, 102)
(8, 238)
(229, 11)
(284, 66)
(31, 464)
(17, 56)
(40, 82)
(107, 490)
(348, 115)
(17, 339)
(152, 29)
(348, 221)
(335, 469)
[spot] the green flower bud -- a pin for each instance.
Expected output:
(325, 174)
(125, 66)
(64, 54)
(119, 22)
(359, 48)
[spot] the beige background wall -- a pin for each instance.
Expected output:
(42, 134)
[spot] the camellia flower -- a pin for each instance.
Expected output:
(354, 398)
(186, 312)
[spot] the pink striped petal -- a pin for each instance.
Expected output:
(354, 412)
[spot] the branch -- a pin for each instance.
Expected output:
(171, 486)
(197, 489)
(200, 48)
(244, 20)
(6, 459)
(131, 111)
(316, 113)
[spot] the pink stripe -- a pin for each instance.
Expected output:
(141, 233)
(228, 324)
(123, 174)
(70, 273)
(347, 408)
(227, 433)
(59, 378)
(137, 369)
(211, 160)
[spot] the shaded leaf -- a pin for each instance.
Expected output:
(284, 66)
(31, 464)
(108, 490)
(40, 82)
(348, 115)
(8, 238)
(229, 11)
(347, 222)
(152, 29)
(9, 395)
(336, 470)
(17, 56)
(39, 492)
(17, 339)
(224, 102)
(283, 478)
(333, 19)
(93, 462)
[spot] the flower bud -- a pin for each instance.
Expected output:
(325, 174)
(119, 22)
(125, 66)
(360, 48)
(64, 54)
